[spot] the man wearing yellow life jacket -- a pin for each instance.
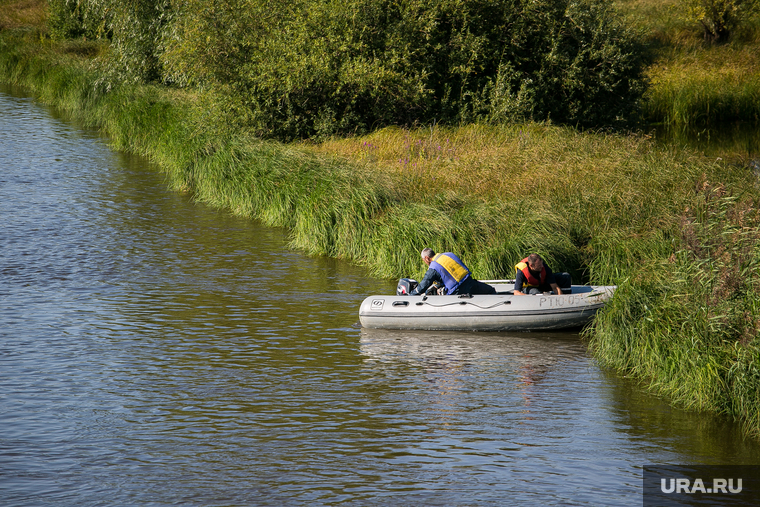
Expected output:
(449, 270)
(532, 276)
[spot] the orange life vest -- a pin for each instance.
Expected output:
(531, 280)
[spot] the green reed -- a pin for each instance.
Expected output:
(695, 93)
(692, 82)
(689, 324)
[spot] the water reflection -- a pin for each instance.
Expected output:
(736, 143)
(691, 437)
(449, 360)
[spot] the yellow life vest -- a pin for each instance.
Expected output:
(456, 269)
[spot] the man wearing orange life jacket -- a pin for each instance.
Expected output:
(534, 277)
(449, 270)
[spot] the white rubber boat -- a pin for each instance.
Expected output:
(502, 311)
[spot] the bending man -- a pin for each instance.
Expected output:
(448, 269)
(534, 277)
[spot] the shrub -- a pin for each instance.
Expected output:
(134, 28)
(72, 19)
(719, 18)
(312, 69)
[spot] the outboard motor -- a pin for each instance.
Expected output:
(405, 286)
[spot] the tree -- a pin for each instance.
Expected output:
(719, 18)
(74, 19)
(134, 28)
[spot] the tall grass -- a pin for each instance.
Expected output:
(689, 324)
(598, 202)
(16, 14)
(708, 87)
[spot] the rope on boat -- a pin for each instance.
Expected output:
(467, 303)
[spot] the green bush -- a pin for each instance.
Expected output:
(719, 18)
(72, 19)
(311, 69)
(298, 69)
(137, 27)
(134, 28)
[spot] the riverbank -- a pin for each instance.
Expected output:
(668, 226)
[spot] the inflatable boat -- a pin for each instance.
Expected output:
(502, 311)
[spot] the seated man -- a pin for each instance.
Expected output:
(449, 270)
(534, 277)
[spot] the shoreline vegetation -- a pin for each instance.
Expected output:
(676, 231)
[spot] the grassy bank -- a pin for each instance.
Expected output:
(688, 324)
(675, 231)
(693, 82)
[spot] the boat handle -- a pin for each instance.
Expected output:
(401, 303)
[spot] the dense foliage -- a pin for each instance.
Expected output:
(719, 18)
(297, 69)
(71, 20)
(134, 27)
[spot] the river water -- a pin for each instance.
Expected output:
(154, 351)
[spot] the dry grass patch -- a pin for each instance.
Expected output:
(512, 162)
(22, 13)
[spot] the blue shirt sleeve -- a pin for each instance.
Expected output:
(430, 276)
(549, 276)
(519, 280)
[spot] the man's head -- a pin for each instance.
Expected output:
(535, 263)
(427, 255)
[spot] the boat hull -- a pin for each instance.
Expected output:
(499, 312)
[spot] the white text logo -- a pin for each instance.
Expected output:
(685, 486)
